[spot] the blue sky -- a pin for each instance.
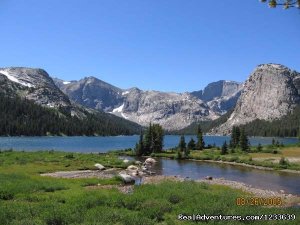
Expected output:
(170, 45)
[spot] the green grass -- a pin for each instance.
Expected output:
(26, 198)
(269, 156)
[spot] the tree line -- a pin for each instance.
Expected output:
(24, 117)
(286, 126)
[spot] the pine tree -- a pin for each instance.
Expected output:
(140, 146)
(158, 138)
(182, 145)
(224, 149)
(200, 141)
(259, 147)
(191, 144)
(235, 137)
(148, 140)
(153, 141)
(244, 142)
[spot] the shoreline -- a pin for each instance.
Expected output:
(247, 165)
(232, 164)
(288, 199)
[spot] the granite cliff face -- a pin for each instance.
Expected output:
(171, 110)
(220, 96)
(271, 91)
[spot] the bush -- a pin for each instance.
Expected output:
(283, 161)
(69, 156)
(174, 199)
(5, 195)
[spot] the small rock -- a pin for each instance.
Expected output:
(132, 167)
(125, 161)
(99, 166)
(208, 178)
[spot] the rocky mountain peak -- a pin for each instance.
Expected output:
(36, 85)
(92, 92)
(270, 92)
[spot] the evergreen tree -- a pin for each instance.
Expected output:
(153, 141)
(182, 146)
(235, 137)
(286, 4)
(158, 138)
(224, 149)
(191, 144)
(244, 142)
(148, 140)
(200, 141)
(140, 146)
(259, 147)
(273, 142)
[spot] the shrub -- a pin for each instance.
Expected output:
(5, 195)
(174, 199)
(69, 156)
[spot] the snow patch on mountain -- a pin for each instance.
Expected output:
(119, 109)
(14, 79)
(125, 93)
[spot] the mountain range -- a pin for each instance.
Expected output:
(172, 110)
(271, 92)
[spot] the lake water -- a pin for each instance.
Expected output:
(104, 144)
(263, 179)
(195, 170)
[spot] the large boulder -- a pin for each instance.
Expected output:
(150, 161)
(126, 178)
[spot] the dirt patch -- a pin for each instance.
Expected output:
(125, 189)
(109, 173)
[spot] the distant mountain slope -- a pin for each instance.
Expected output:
(271, 92)
(172, 110)
(31, 104)
(92, 92)
(206, 126)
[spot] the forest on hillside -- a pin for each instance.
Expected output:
(23, 117)
(286, 126)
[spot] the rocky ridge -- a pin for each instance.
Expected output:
(33, 84)
(271, 91)
(172, 110)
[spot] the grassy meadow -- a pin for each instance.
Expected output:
(276, 157)
(26, 198)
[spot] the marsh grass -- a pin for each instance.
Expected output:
(30, 199)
